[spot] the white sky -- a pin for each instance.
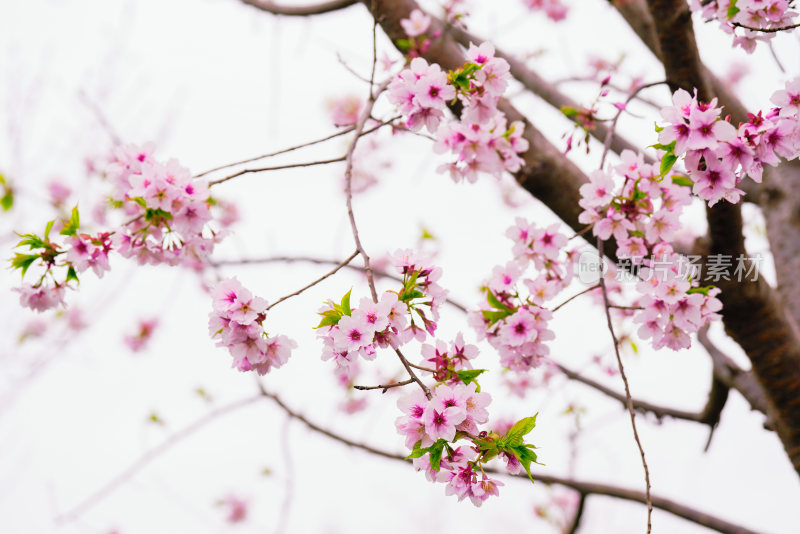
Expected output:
(212, 81)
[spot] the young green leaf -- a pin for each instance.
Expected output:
(47, 230)
(682, 181)
(569, 111)
(494, 302)
(732, 9)
(71, 227)
(23, 261)
(7, 200)
(345, 305)
(667, 162)
(72, 275)
(515, 434)
(469, 375)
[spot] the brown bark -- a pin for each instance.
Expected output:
(753, 315)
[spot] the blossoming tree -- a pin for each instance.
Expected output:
(625, 233)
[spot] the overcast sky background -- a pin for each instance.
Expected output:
(213, 81)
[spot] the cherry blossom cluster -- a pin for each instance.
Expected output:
(642, 214)
(168, 212)
(397, 318)
(482, 140)
(673, 305)
(746, 14)
(417, 27)
(169, 209)
(447, 442)
(59, 262)
(514, 320)
(717, 155)
(556, 10)
(448, 361)
(236, 322)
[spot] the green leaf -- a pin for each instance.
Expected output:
(32, 241)
(157, 214)
(434, 450)
(667, 162)
(682, 180)
(469, 375)
(703, 290)
(72, 275)
(659, 129)
(436, 454)
(417, 451)
(403, 44)
(71, 227)
(494, 302)
(569, 111)
(525, 456)
(732, 9)
(47, 230)
(7, 200)
(494, 316)
(23, 261)
(515, 434)
(667, 148)
(330, 317)
(411, 295)
(345, 305)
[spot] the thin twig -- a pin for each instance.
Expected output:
(350, 69)
(278, 152)
(385, 387)
(421, 368)
(315, 282)
(288, 259)
(348, 175)
(767, 30)
(587, 290)
(276, 168)
(629, 400)
(629, 308)
(340, 133)
(613, 127)
(576, 518)
(151, 455)
(582, 232)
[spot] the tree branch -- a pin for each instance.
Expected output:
(587, 488)
(753, 315)
(733, 376)
(639, 405)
